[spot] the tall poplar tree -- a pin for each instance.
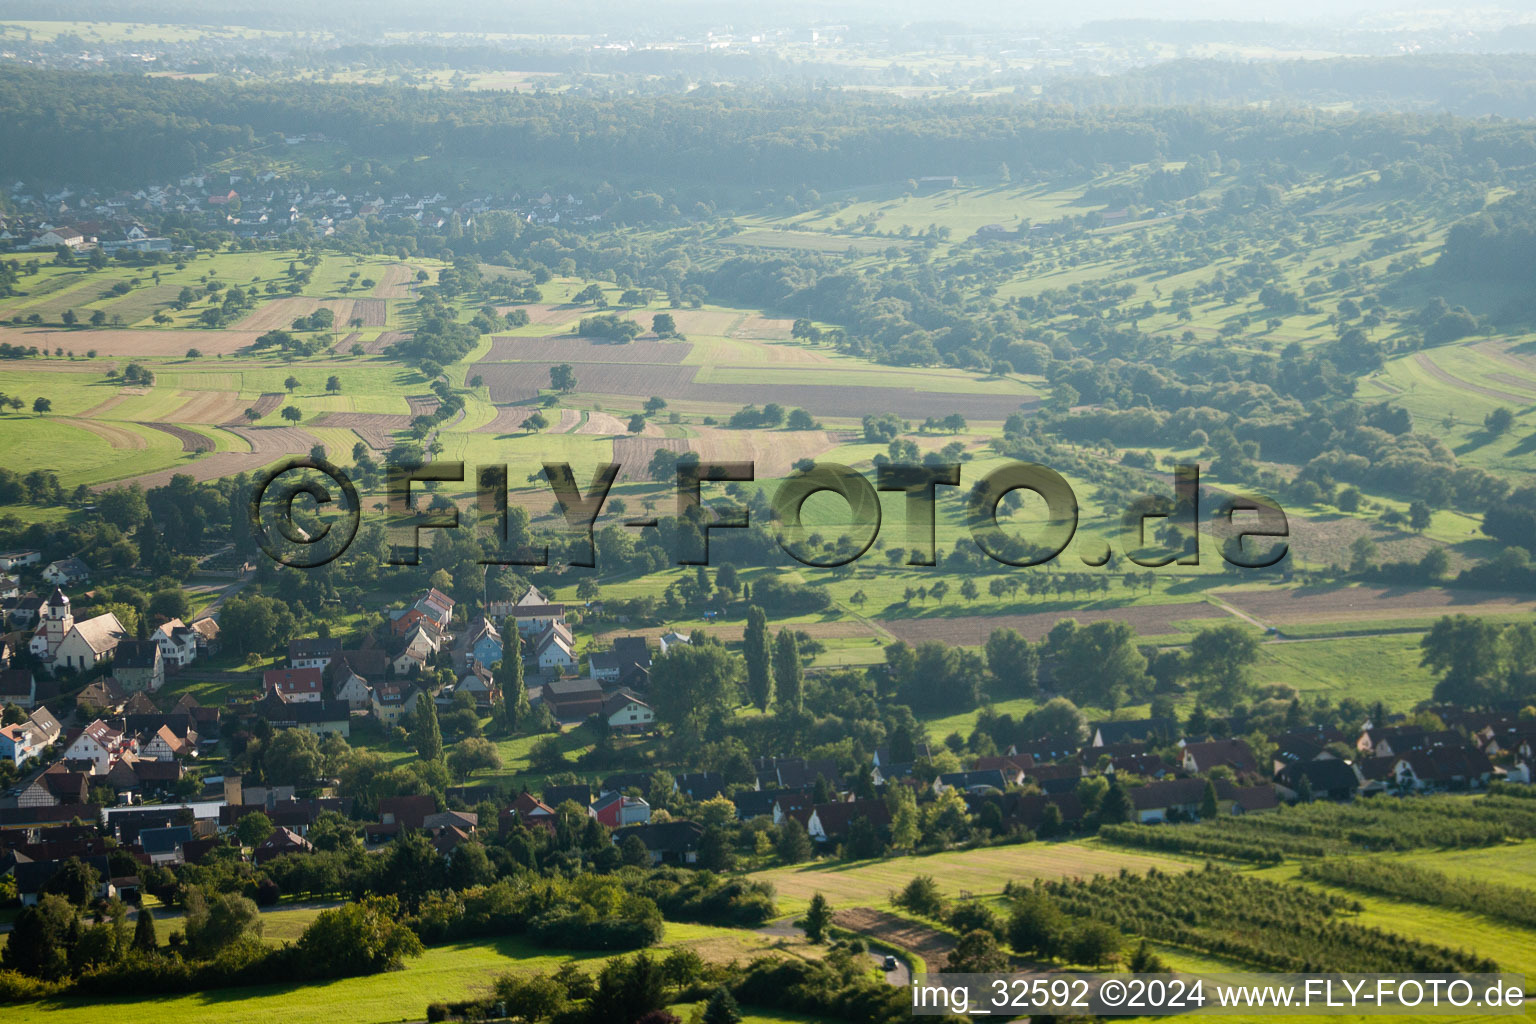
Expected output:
(759, 658)
(787, 677)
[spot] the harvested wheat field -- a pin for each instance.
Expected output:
(544, 313)
(569, 419)
(396, 281)
(119, 437)
(279, 314)
(130, 342)
(569, 349)
(714, 323)
(509, 420)
(101, 407)
(421, 405)
(383, 341)
(372, 313)
(1276, 606)
(973, 630)
(613, 426)
(208, 407)
(266, 405)
(374, 428)
(773, 452)
(274, 442)
(633, 454)
(191, 440)
(208, 467)
(345, 344)
(516, 382)
(763, 328)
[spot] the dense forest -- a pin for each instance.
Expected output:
(146, 128)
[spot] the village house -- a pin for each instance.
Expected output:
(18, 686)
(294, 685)
(32, 878)
(572, 700)
(670, 639)
(1202, 757)
(178, 643)
(350, 688)
(1442, 768)
(480, 683)
(1180, 799)
(312, 652)
(830, 822)
(978, 781)
(628, 654)
(282, 842)
(627, 714)
(1140, 730)
(1324, 779)
(31, 738)
(553, 650)
(527, 810)
(321, 718)
(19, 559)
(66, 572)
(22, 611)
(103, 696)
(615, 810)
(421, 644)
(99, 744)
(138, 666)
(668, 842)
(392, 701)
(481, 644)
(56, 787)
(164, 846)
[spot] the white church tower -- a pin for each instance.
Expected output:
(58, 620)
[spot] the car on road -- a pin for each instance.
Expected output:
(890, 962)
